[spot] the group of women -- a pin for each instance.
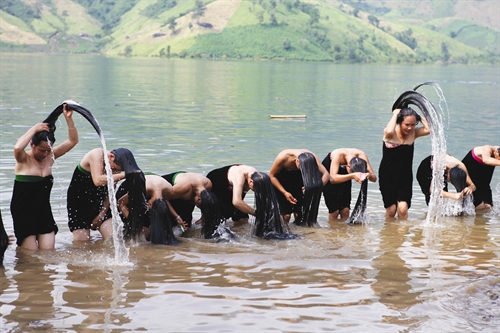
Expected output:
(150, 205)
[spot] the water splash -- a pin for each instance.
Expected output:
(121, 252)
(434, 119)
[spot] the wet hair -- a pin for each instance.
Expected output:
(43, 136)
(313, 185)
(135, 186)
(211, 211)
(458, 177)
(125, 159)
(4, 240)
(359, 165)
(268, 221)
(498, 150)
(161, 224)
(405, 112)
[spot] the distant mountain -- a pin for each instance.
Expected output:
(349, 31)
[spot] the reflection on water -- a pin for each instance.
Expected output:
(199, 115)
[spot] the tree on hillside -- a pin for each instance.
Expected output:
(373, 20)
(260, 16)
(171, 24)
(198, 9)
(314, 14)
(286, 44)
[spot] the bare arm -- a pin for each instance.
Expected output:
(390, 128)
(238, 181)
(179, 191)
(486, 152)
(424, 130)
(24, 140)
(275, 169)
(99, 177)
(325, 175)
(72, 140)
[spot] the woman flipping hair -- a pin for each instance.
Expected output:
(298, 176)
(268, 221)
(395, 171)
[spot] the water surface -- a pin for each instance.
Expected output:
(199, 115)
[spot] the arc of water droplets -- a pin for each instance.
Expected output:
(439, 149)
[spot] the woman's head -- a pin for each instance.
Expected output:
(211, 210)
(125, 160)
(408, 115)
(268, 221)
(458, 178)
(357, 164)
(44, 136)
(310, 172)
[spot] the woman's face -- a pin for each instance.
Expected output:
(408, 124)
(41, 150)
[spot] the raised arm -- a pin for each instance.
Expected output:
(390, 128)
(423, 130)
(72, 140)
(24, 140)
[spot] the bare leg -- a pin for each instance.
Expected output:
(390, 211)
(402, 210)
(344, 213)
(286, 218)
(106, 229)
(47, 241)
(333, 216)
(29, 243)
(81, 235)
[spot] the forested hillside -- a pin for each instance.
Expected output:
(349, 31)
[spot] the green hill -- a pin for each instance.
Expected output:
(315, 30)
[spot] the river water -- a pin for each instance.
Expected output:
(196, 115)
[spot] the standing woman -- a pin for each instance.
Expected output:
(34, 224)
(395, 172)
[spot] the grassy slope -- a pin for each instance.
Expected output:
(348, 38)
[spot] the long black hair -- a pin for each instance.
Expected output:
(74, 106)
(313, 186)
(135, 186)
(268, 221)
(458, 177)
(211, 212)
(4, 240)
(359, 165)
(160, 229)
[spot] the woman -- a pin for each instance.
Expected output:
(34, 224)
(342, 165)
(87, 200)
(481, 162)
(299, 176)
(395, 172)
(455, 172)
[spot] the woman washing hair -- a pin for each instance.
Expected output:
(344, 165)
(395, 171)
(87, 200)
